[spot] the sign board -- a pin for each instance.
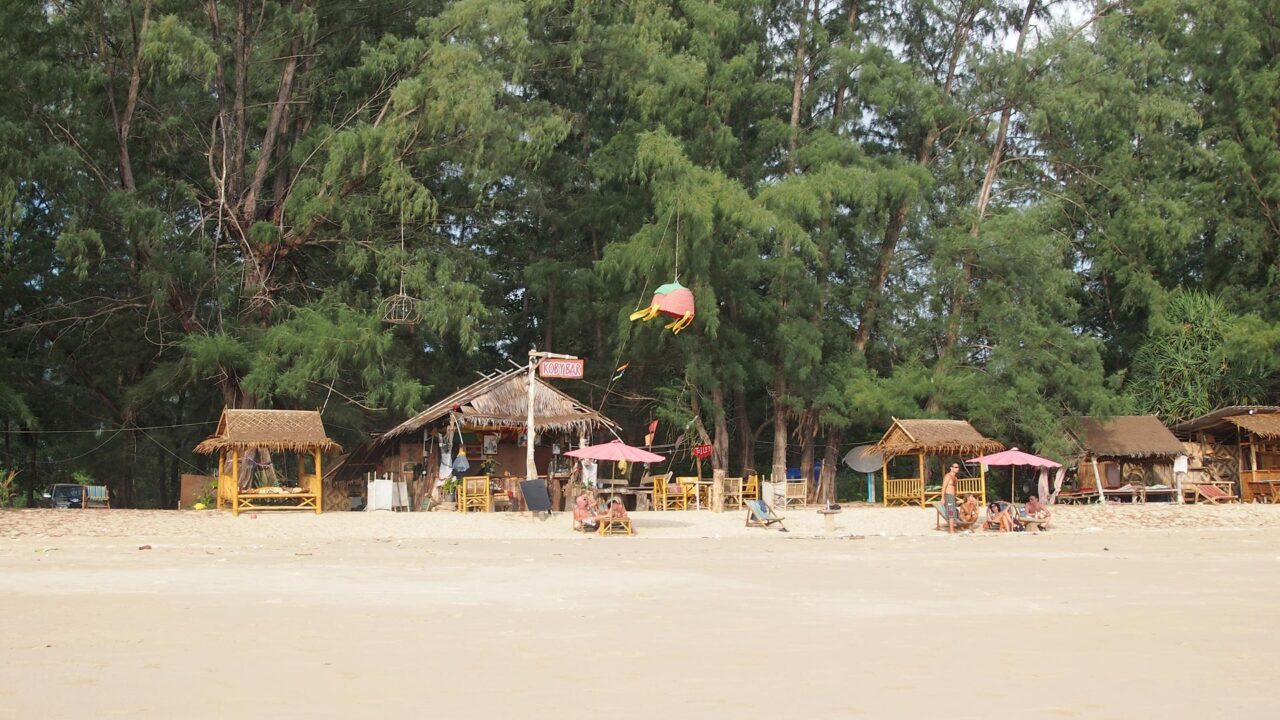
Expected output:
(702, 451)
(561, 368)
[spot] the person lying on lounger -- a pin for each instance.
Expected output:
(584, 512)
(999, 513)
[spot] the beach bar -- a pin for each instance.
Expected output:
(244, 442)
(924, 439)
(487, 422)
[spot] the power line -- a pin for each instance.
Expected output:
(109, 429)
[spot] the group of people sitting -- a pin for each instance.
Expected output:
(589, 511)
(1001, 515)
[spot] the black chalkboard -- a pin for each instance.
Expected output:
(535, 495)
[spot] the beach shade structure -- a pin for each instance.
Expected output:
(673, 300)
(1013, 458)
(615, 451)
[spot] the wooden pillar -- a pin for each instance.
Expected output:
(222, 463)
(1097, 479)
(884, 472)
(235, 483)
(982, 477)
(920, 474)
(319, 481)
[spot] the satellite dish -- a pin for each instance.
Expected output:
(861, 459)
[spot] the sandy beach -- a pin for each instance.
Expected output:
(1117, 612)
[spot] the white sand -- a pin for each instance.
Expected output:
(1119, 612)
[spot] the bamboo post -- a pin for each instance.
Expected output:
(982, 476)
(884, 471)
(222, 462)
(920, 475)
(235, 484)
(319, 484)
(530, 468)
(1097, 479)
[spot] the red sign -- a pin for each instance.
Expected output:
(558, 368)
(701, 451)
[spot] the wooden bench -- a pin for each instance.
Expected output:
(258, 501)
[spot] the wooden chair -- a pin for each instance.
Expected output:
(733, 490)
(474, 494)
(751, 488)
(1261, 491)
(791, 492)
(761, 515)
(959, 523)
(681, 493)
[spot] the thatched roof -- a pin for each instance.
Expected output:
(291, 430)
(502, 400)
(1223, 418)
(1127, 436)
(934, 437)
(1266, 427)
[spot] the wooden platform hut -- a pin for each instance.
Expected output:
(947, 440)
(243, 442)
(491, 415)
(1236, 446)
(1126, 450)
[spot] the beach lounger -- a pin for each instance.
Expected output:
(761, 515)
(1213, 494)
(616, 526)
(95, 496)
(942, 518)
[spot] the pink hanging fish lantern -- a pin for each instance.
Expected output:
(673, 300)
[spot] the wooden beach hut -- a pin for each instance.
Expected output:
(1237, 447)
(491, 417)
(244, 442)
(1134, 452)
(924, 439)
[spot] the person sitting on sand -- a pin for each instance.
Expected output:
(969, 511)
(998, 513)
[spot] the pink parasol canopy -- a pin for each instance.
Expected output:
(616, 450)
(1015, 457)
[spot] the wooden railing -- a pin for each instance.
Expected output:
(908, 491)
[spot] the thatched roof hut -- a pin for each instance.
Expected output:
(1138, 437)
(275, 430)
(502, 400)
(1260, 420)
(934, 437)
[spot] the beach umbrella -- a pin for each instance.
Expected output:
(615, 451)
(1013, 458)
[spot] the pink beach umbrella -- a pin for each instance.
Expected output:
(615, 451)
(1013, 458)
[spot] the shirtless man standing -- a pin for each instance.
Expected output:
(949, 496)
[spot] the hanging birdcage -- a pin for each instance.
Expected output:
(401, 308)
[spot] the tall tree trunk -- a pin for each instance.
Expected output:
(780, 416)
(240, 135)
(746, 438)
(852, 21)
(807, 427)
(951, 333)
(868, 312)
(797, 89)
(720, 443)
(830, 458)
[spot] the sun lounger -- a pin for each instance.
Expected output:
(1076, 496)
(95, 496)
(942, 518)
(616, 526)
(1213, 494)
(761, 515)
